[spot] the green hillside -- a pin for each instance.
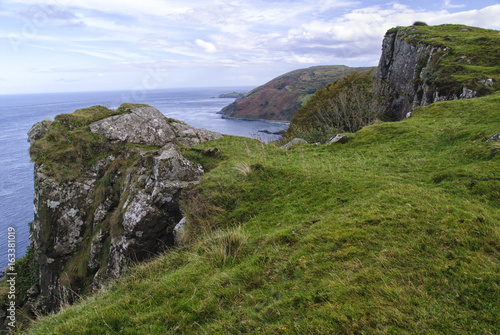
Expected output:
(279, 98)
(397, 231)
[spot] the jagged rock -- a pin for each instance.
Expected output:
(179, 231)
(486, 82)
(61, 210)
(467, 94)
(292, 142)
(107, 225)
(96, 247)
(338, 139)
(147, 125)
(37, 131)
(143, 125)
(495, 137)
(188, 135)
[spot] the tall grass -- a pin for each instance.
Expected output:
(223, 247)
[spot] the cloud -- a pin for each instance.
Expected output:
(447, 4)
(206, 46)
(124, 7)
(358, 34)
(260, 37)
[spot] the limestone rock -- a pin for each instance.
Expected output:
(495, 137)
(338, 139)
(147, 125)
(406, 71)
(143, 125)
(121, 209)
(292, 142)
(179, 231)
(37, 131)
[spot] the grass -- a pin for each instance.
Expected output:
(69, 147)
(397, 231)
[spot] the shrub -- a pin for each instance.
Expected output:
(419, 23)
(346, 105)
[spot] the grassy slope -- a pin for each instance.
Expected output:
(397, 231)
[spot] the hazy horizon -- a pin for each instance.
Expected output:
(68, 46)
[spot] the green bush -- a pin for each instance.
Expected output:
(346, 105)
(419, 23)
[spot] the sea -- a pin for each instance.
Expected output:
(198, 107)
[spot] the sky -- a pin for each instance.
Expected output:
(101, 45)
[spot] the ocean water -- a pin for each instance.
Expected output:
(197, 107)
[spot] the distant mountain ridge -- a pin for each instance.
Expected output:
(281, 97)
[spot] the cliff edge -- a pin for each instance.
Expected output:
(425, 64)
(107, 188)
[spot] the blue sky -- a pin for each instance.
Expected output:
(91, 45)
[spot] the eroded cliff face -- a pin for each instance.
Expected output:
(122, 206)
(411, 75)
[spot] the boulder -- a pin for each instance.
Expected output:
(147, 125)
(143, 125)
(188, 135)
(37, 131)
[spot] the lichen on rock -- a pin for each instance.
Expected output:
(121, 206)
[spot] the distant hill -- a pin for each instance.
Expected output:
(282, 96)
(232, 95)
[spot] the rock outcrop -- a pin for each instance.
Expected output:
(290, 144)
(420, 66)
(339, 138)
(121, 208)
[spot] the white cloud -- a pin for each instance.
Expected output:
(206, 46)
(448, 4)
(486, 17)
(124, 7)
(360, 31)
(260, 37)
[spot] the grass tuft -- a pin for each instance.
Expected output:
(224, 247)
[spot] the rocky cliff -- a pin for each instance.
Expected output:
(107, 188)
(421, 65)
(281, 97)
